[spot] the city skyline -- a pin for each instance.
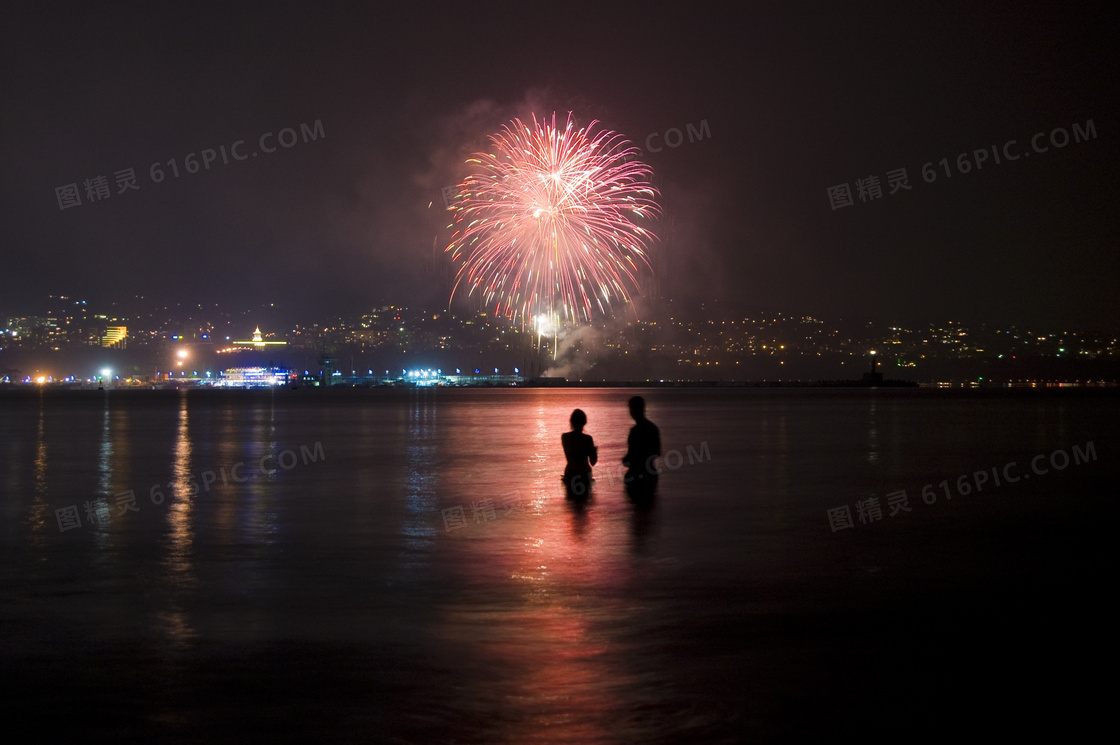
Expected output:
(709, 343)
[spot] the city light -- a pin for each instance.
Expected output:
(253, 377)
(708, 346)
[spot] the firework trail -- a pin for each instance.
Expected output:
(547, 224)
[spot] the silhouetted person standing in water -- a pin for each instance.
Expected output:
(581, 453)
(642, 447)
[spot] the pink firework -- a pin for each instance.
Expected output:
(549, 223)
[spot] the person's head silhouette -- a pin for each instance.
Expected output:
(638, 408)
(578, 420)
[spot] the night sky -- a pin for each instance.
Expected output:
(797, 97)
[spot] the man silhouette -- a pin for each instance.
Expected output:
(643, 446)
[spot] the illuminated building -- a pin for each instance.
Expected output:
(253, 377)
(114, 336)
(258, 341)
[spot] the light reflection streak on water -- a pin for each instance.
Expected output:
(872, 437)
(272, 442)
(273, 447)
(540, 607)
(260, 446)
(259, 518)
(256, 499)
(100, 527)
(243, 512)
(178, 555)
(104, 456)
(249, 503)
(554, 634)
(421, 482)
(40, 511)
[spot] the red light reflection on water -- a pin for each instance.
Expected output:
(542, 610)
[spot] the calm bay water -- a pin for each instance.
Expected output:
(400, 566)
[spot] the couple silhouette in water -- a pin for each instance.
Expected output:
(642, 446)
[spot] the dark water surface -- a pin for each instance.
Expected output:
(401, 567)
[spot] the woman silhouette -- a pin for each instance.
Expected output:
(581, 453)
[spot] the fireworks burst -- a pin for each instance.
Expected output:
(547, 223)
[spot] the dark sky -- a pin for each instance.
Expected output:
(798, 98)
